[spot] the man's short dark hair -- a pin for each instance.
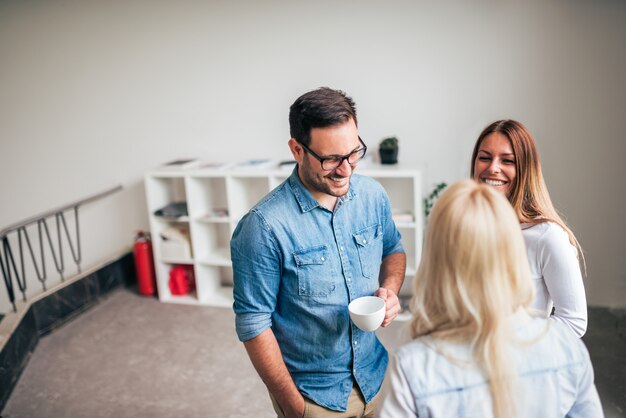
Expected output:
(319, 108)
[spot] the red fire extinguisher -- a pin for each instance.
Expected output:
(144, 264)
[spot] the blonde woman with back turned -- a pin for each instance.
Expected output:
(505, 157)
(476, 350)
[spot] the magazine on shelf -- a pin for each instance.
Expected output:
(402, 216)
(255, 164)
(213, 165)
(180, 164)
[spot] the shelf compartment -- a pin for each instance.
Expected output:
(213, 219)
(211, 241)
(158, 243)
(161, 191)
(207, 196)
(226, 277)
(219, 257)
(409, 242)
(401, 192)
(165, 295)
(245, 192)
(407, 285)
(210, 285)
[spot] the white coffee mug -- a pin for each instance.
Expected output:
(367, 312)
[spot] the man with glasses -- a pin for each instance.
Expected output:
(321, 239)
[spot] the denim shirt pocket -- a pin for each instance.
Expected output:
(315, 275)
(369, 244)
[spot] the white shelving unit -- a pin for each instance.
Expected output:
(218, 197)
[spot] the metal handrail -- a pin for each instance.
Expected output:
(63, 208)
(8, 265)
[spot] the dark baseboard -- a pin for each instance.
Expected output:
(52, 311)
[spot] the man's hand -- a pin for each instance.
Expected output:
(392, 270)
(392, 304)
(268, 361)
(294, 411)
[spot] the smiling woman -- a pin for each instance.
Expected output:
(505, 157)
(495, 162)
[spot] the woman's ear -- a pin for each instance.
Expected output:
(296, 150)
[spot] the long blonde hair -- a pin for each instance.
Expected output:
(472, 276)
(529, 196)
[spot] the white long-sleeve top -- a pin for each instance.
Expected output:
(431, 378)
(556, 275)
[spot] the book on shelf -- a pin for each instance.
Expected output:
(180, 164)
(214, 165)
(402, 216)
(215, 213)
(173, 211)
(255, 164)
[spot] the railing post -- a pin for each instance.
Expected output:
(6, 272)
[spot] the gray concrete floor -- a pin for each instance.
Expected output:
(131, 356)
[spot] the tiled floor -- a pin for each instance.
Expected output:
(131, 356)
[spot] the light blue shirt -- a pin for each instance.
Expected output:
(296, 267)
(432, 378)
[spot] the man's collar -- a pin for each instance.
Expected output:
(304, 198)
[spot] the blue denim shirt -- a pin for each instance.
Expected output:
(297, 265)
(435, 379)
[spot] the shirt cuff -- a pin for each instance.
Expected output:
(249, 325)
(398, 248)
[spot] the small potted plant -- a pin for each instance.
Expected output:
(429, 201)
(388, 150)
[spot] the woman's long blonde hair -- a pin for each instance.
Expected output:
(473, 275)
(529, 196)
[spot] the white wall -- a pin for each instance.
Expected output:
(93, 93)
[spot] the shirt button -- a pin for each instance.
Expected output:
(341, 248)
(364, 241)
(322, 258)
(356, 343)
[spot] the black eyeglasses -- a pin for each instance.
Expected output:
(334, 161)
